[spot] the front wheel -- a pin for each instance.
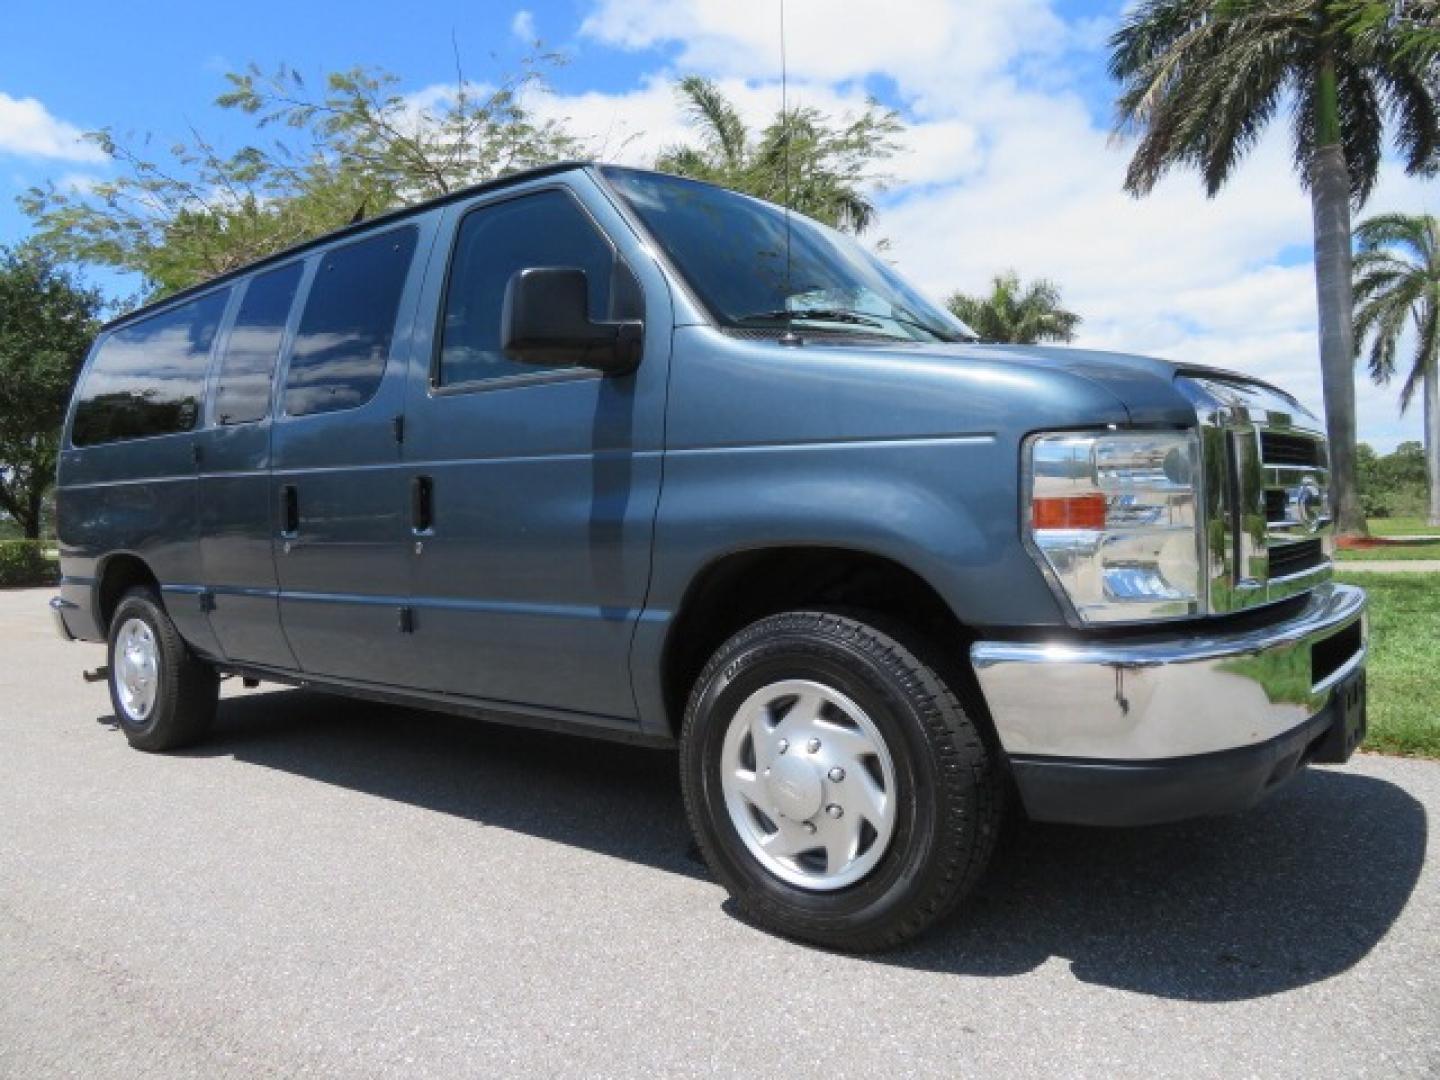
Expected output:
(164, 696)
(837, 788)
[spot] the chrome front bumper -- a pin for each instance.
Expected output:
(1164, 698)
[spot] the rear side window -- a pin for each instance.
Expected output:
(248, 363)
(149, 378)
(545, 229)
(349, 321)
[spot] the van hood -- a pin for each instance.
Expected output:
(1145, 385)
(834, 388)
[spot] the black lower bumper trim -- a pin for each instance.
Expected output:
(1082, 792)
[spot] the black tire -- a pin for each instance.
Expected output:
(950, 792)
(186, 688)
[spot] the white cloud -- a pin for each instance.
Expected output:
(834, 41)
(627, 128)
(632, 127)
(29, 130)
(523, 26)
(1006, 166)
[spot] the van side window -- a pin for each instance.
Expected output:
(545, 229)
(349, 321)
(248, 363)
(149, 377)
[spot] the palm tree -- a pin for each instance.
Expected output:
(1200, 81)
(830, 165)
(1016, 315)
(1397, 282)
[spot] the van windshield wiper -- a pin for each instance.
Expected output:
(840, 315)
(847, 316)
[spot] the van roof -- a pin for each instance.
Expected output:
(386, 218)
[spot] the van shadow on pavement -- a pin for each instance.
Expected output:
(1293, 892)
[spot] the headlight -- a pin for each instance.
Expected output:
(1112, 519)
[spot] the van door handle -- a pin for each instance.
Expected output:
(289, 510)
(422, 504)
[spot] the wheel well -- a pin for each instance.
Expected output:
(121, 573)
(736, 590)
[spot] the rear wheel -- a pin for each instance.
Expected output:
(164, 696)
(836, 785)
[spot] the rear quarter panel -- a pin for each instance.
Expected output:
(136, 497)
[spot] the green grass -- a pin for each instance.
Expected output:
(1399, 552)
(1404, 663)
(1402, 526)
(1397, 527)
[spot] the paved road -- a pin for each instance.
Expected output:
(349, 890)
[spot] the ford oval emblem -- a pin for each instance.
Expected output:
(1307, 503)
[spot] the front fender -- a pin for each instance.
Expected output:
(943, 507)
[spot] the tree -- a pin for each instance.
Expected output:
(47, 320)
(1392, 485)
(1418, 21)
(1201, 79)
(831, 163)
(355, 149)
(1397, 284)
(1010, 313)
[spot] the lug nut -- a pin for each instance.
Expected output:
(837, 774)
(782, 746)
(813, 746)
(835, 810)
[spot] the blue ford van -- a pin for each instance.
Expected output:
(609, 452)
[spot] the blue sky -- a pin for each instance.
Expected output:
(1008, 165)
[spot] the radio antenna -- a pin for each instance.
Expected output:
(786, 133)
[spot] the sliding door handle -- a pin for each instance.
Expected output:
(289, 510)
(422, 504)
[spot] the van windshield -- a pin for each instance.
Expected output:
(731, 250)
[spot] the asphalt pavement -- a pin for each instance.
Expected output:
(330, 888)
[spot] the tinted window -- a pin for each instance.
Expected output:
(149, 378)
(349, 321)
(545, 229)
(243, 392)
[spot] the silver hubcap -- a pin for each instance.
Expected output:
(809, 784)
(136, 669)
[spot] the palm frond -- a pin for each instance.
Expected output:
(1396, 284)
(1201, 79)
(1414, 101)
(1409, 231)
(1375, 281)
(1248, 88)
(719, 120)
(1427, 353)
(1362, 128)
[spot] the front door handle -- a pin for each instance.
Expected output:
(289, 510)
(422, 504)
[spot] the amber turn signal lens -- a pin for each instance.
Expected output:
(1068, 512)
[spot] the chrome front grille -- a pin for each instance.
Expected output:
(1287, 560)
(1296, 496)
(1266, 494)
